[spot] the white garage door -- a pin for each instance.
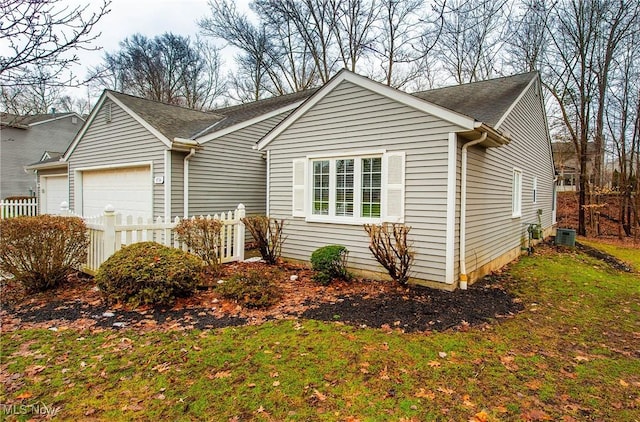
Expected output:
(127, 189)
(55, 190)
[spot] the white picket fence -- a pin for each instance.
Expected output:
(18, 207)
(111, 231)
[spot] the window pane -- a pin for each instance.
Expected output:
(371, 186)
(344, 187)
(320, 187)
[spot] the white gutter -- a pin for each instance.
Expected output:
(463, 210)
(186, 180)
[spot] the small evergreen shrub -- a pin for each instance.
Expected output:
(252, 290)
(390, 245)
(330, 262)
(41, 251)
(202, 237)
(148, 273)
(268, 235)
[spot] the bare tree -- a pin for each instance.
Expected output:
(352, 26)
(228, 24)
(167, 68)
(398, 39)
(37, 98)
(44, 34)
(577, 76)
(472, 37)
(527, 42)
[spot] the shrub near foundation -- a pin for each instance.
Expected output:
(41, 251)
(149, 273)
(330, 262)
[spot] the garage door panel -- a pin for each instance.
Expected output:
(127, 189)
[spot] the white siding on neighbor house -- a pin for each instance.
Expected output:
(491, 230)
(227, 171)
(353, 119)
(120, 142)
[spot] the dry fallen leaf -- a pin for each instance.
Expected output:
(422, 393)
(446, 391)
(319, 395)
(534, 384)
(222, 374)
(624, 383)
(434, 364)
(479, 417)
(24, 395)
(276, 383)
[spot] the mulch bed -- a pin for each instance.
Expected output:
(361, 303)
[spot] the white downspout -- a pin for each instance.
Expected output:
(463, 210)
(185, 168)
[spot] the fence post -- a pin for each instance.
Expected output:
(64, 209)
(109, 238)
(240, 213)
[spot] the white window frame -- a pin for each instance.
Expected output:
(516, 193)
(357, 218)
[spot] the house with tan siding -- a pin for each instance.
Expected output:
(149, 159)
(469, 168)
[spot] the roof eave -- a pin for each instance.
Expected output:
(494, 138)
(47, 166)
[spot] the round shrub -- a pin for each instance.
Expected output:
(148, 273)
(41, 251)
(253, 290)
(330, 262)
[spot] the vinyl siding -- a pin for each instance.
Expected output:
(21, 147)
(351, 118)
(491, 230)
(177, 183)
(118, 143)
(227, 171)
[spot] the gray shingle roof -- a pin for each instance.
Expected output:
(22, 122)
(486, 101)
(170, 120)
(243, 112)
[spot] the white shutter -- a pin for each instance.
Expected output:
(393, 187)
(299, 184)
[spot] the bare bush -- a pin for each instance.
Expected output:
(268, 234)
(41, 251)
(389, 245)
(202, 237)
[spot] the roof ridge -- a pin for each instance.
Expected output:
(491, 80)
(118, 93)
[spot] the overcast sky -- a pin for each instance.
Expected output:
(150, 18)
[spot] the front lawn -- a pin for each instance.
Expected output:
(572, 354)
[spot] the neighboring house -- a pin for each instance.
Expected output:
(26, 139)
(149, 159)
(568, 165)
(467, 167)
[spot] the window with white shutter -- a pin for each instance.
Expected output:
(350, 190)
(299, 183)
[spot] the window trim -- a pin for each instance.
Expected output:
(516, 193)
(535, 189)
(357, 218)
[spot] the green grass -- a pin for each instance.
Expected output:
(572, 353)
(627, 254)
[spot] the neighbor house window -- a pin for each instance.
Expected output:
(516, 206)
